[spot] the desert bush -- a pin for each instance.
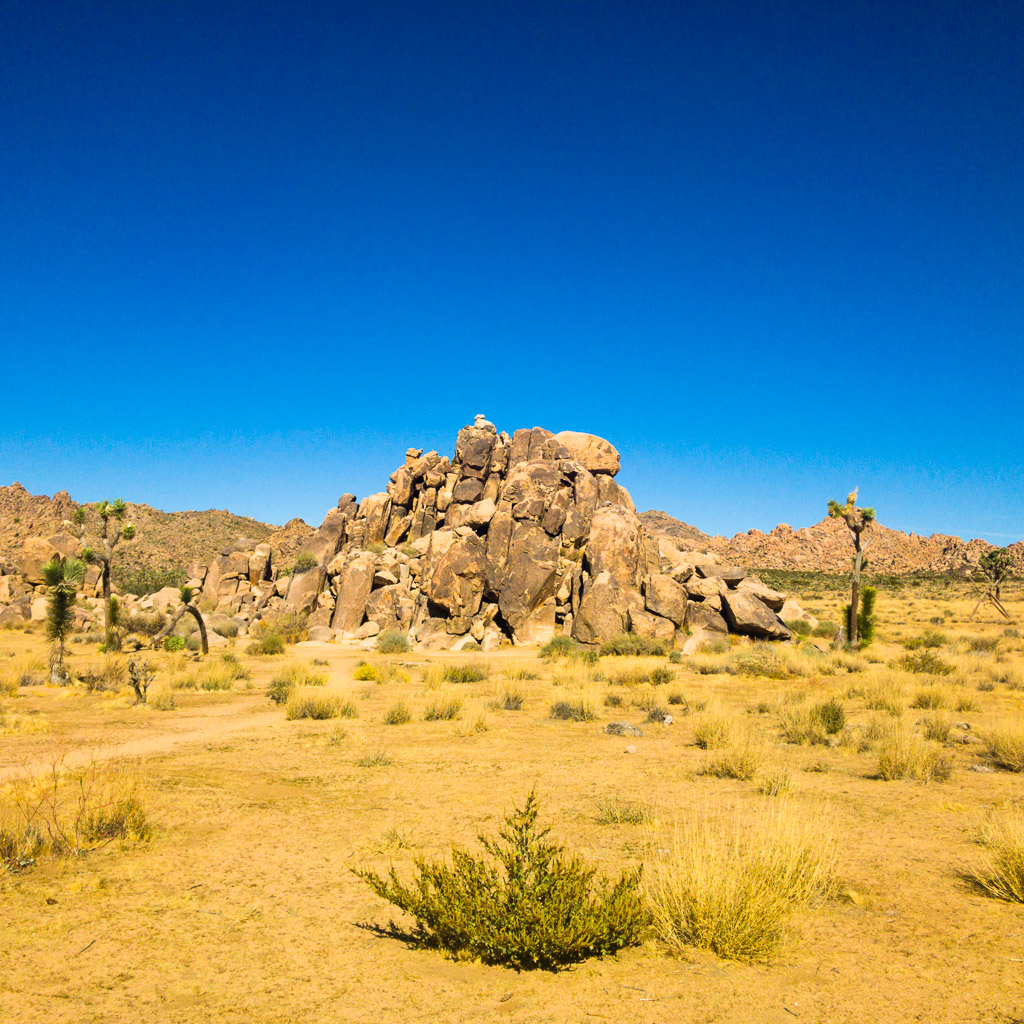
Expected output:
(312, 703)
(145, 623)
(826, 628)
(378, 759)
(564, 647)
(530, 906)
(516, 671)
(392, 641)
(445, 709)
(223, 625)
(776, 782)
(831, 715)
(937, 727)
(740, 762)
(1004, 746)
(265, 642)
(23, 670)
(107, 676)
(929, 639)
(375, 547)
(464, 673)
(1000, 872)
(511, 699)
(576, 710)
(68, 811)
(986, 686)
(982, 644)
(800, 724)
(903, 755)
(614, 700)
(730, 887)
(929, 698)
(174, 643)
(678, 700)
(965, 702)
(675, 657)
(760, 661)
(291, 676)
(161, 700)
(706, 666)
(209, 677)
(656, 714)
(364, 672)
(290, 626)
(304, 561)
(616, 811)
(924, 663)
(397, 714)
(379, 672)
(800, 626)
(711, 731)
(633, 644)
(660, 676)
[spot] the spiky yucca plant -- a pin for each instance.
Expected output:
(62, 578)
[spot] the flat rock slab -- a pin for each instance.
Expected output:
(623, 729)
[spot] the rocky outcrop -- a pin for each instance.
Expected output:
(514, 538)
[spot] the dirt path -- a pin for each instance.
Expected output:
(221, 723)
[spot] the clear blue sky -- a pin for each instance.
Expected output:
(251, 251)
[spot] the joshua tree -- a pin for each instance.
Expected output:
(996, 566)
(62, 578)
(187, 606)
(857, 521)
(101, 552)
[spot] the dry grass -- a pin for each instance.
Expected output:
(1000, 871)
(1004, 746)
(730, 886)
(742, 761)
(904, 755)
(711, 731)
(444, 709)
(312, 703)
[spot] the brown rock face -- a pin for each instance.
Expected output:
(594, 454)
(747, 616)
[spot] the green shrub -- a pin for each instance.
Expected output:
(562, 647)
(304, 561)
(982, 644)
(676, 657)
(445, 710)
(660, 676)
(464, 673)
(265, 643)
(930, 639)
(290, 626)
(174, 643)
(279, 690)
(392, 641)
(578, 710)
(826, 628)
(397, 714)
(925, 663)
(760, 661)
(800, 626)
(831, 715)
(537, 907)
(633, 644)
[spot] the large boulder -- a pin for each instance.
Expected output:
(456, 581)
(614, 545)
(665, 597)
(605, 610)
(746, 615)
(700, 616)
(304, 589)
(35, 553)
(352, 586)
(766, 595)
(731, 575)
(595, 454)
(522, 567)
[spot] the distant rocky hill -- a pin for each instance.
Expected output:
(825, 547)
(165, 541)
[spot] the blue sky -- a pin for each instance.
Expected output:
(249, 252)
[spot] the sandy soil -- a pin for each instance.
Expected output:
(243, 908)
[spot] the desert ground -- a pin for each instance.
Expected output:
(241, 904)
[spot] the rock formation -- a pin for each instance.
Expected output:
(514, 538)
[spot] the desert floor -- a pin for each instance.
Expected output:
(242, 906)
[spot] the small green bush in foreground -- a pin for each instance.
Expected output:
(530, 905)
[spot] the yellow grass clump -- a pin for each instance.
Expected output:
(1005, 746)
(904, 755)
(729, 886)
(1000, 872)
(312, 703)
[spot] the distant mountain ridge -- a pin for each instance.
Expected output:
(175, 540)
(164, 540)
(825, 547)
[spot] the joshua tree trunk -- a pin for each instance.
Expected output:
(852, 632)
(195, 613)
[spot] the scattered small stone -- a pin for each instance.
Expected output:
(622, 729)
(963, 725)
(630, 749)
